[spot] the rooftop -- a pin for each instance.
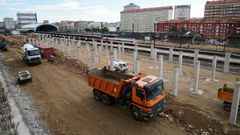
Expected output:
(222, 2)
(199, 21)
(148, 9)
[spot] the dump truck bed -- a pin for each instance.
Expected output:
(107, 81)
(225, 94)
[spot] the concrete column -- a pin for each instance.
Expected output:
(119, 52)
(160, 74)
(123, 48)
(227, 62)
(59, 41)
(196, 52)
(214, 65)
(134, 61)
(69, 49)
(115, 53)
(93, 57)
(100, 55)
(95, 47)
(180, 63)
(78, 51)
(53, 41)
(137, 67)
(101, 44)
(171, 54)
(152, 51)
(136, 48)
(155, 58)
(24, 39)
(62, 45)
(107, 49)
(111, 61)
(196, 76)
(88, 50)
(111, 50)
(235, 104)
(175, 81)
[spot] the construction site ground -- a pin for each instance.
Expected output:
(64, 100)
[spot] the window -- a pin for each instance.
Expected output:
(139, 93)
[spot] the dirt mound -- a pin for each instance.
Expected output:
(13, 40)
(203, 124)
(79, 66)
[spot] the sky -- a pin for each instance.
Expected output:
(88, 10)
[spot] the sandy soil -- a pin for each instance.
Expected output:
(65, 102)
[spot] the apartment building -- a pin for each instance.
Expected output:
(141, 20)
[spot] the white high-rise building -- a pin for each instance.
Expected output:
(26, 18)
(9, 23)
(142, 20)
(182, 12)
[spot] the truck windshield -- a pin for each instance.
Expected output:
(154, 92)
(33, 52)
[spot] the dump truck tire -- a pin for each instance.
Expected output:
(106, 100)
(97, 95)
(19, 81)
(226, 106)
(30, 80)
(137, 115)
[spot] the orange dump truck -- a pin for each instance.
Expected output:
(225, 94)
(143, 94)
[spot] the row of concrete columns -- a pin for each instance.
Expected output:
(117, 52)
(121, 51)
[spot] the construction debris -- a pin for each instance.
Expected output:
(7, 126)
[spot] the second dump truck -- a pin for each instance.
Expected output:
(143, 94)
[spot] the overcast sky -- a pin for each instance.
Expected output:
(92, 10)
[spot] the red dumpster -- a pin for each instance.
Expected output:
(45, 51)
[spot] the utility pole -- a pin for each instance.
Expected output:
(133, 30)
(154, 40)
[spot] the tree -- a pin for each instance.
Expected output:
(104, 30)
(183, 30)
(173, 29)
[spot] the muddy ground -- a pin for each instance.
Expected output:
(63, 99)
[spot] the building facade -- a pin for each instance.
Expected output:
(113, 27)
(26, 18)
(9, 23)
(182, 12)
(142, 20)
(2, 27)
(224, 9)
(213, 29)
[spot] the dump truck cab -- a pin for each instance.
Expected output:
(31, 54)
(120, 65)
(148, 97)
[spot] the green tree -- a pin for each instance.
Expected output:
(174, 29)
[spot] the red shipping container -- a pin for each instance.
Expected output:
(45, 51)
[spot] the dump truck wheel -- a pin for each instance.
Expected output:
(19, 81)
(106, 100)
(136, 114)
(30, 80)
(97, 95)
(227, 106)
